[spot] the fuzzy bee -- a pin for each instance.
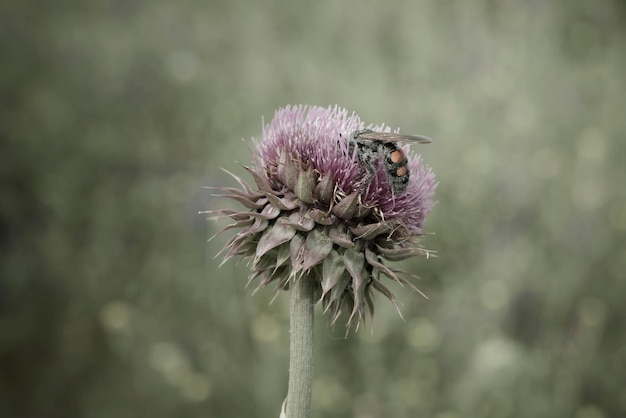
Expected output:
(371, 145)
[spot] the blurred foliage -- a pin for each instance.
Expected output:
(114, 114)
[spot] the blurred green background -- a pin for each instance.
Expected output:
(114, 114)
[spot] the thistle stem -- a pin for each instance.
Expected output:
(300, 348)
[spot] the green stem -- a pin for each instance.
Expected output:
(300, 348)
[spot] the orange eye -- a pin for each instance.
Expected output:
(402, 171)
(396, 157)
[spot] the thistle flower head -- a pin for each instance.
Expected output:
(318, 212)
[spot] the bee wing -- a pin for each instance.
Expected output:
(392, 137)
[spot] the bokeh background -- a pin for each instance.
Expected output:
(114, 114)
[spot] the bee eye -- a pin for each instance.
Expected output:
(396, 156)
(402, 171)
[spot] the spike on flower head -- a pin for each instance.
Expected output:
(319, 212)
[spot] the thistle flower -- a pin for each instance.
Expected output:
(318, 213)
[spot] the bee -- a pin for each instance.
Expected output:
(372, 145)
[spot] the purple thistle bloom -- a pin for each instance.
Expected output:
(318, 213)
